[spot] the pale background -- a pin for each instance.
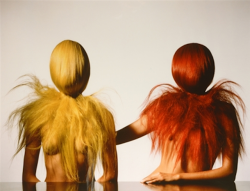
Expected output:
(130, 45)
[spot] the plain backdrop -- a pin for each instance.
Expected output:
(130, 45)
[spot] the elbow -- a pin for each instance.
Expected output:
(112, 179)
(111, 176)
(30, 178)
(230, 176)
(229, 169)
(26, 178)
(107, 178)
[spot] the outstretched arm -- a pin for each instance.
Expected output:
(30, 162)
(132, 131)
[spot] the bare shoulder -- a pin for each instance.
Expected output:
(227, 113)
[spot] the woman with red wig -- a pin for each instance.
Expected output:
(190, 125)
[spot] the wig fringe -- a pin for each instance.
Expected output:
(65, 125)
(200, 125)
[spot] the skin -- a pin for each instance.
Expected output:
(30, 162)
(54, 168)
(167, 171)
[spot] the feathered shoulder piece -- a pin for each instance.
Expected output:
(65, 125)
(200, 125)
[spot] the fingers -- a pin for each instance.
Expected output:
(153, 178)
(146, 179)
(160, 177)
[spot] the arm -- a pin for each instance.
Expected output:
(226, 172)
(30, 162)
(110, 171)
(109, 163)
(132, 131)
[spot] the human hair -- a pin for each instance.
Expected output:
(69, 67)
(66, 122)
(193, 68)
(200, 122)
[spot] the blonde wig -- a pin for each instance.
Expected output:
(69, 68)
(66, 122)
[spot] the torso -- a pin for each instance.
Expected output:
(56, 173)
(54, 163)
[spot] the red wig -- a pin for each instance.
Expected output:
(193, 68)
(200, 123)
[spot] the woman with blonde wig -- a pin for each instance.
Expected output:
(75, 131)
(190, 125)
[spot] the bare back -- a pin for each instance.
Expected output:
(168, 161)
